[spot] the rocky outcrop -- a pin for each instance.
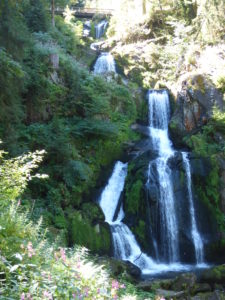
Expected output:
(194, 105)
(208, 286)
(141, 202)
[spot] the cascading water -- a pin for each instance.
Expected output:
(166, 244)
(124, 242)
(196, 237)
(105, 64)
(158, 128)
(100, 29)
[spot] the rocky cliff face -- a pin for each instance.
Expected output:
(194, 106)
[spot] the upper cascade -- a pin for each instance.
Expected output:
(159, 109)
(100, 29)
(105, 64)
(159, 114)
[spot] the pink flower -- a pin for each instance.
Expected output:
(30, 249)
(86, 290)
(47, 295)
(63, 254)
(122, 286)
(22, 297)
(115, 284)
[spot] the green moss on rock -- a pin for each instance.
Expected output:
(96, 238)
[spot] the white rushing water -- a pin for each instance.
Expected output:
(100, 29)
(159, 113)
(105, 64)
(125, 244)
(196, 237)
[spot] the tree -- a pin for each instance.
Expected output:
(35, 15)
(13, 31)
(60, 4)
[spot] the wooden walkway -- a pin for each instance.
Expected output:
(81, 12)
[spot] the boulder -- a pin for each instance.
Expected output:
(184, 281)
(153, 285)
(216, 295)
(117, 267)
(170, 294)
(214, 275)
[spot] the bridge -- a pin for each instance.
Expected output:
(81, 12)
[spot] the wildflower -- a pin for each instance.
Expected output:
(115, 284)
(22, 297)
(122, 286)
(47, 295)
(30, 249)
(29, 296)
(86, 290)
(63, 254)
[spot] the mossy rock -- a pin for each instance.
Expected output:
(92, 212)
(96, 238)
(213, 276)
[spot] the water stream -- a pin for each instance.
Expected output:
(196, 237)
(100, 29)
(105, 64)
(167, 244)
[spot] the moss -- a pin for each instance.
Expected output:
(133, 197)
(197, 83)
(82, 232)
(215, 275)
(140, 230)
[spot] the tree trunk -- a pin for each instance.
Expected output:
(144, 7)
(160, 6)
(53, 13)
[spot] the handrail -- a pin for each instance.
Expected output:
(87, 10)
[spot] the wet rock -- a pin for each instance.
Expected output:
(185, 281)
(153, 285)
(216, 295)
(194, 106)
(170, 294)
(201, 288)
(213, 276)
(118, 267)
(141, 129)
(132, 269)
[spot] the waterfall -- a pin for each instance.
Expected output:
(165, 237)
(124, 242)
(158, 130)
(196, 237)
(100, 29)
(105, 64)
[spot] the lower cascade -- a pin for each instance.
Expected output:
(105, 64)
(166, 236)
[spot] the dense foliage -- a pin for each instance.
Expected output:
(31, 268)
(50, 101)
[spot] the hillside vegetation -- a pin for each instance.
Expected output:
(58, 117)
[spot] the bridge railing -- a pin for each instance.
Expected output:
(83, 10)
